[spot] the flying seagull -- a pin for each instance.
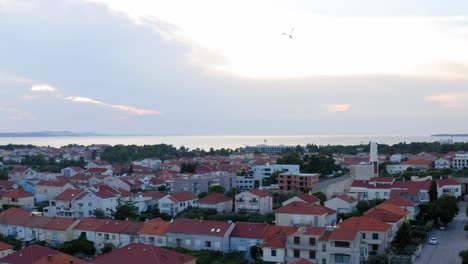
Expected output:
(290, 33)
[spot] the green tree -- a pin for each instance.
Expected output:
(464, 256)
(99, 214)
(321, 196)
(446, 208)
(202, 194)
(79, 245)
(108, 247)
(217, 189)
(162, 188)
(433, 192)
(402, 237)
(377, 259)
(188, 168)
(126, 210)
(290, 158)
(273, 179)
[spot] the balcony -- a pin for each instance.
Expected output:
(305, 246)
(302, 223)
(373, 241)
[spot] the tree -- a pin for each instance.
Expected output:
(79, 245)
(217, 189)
(464, 256)
(99, 214)
(126, 210)
(402, 236)
(321, 196)
(433, 192)
(273, 179)
(202, 194)
(377, 259)
(108, 247)
(290, 158)
(162, 188)
(446, 208)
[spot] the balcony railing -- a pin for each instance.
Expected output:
(306, 246)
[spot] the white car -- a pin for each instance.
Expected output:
(433, 241)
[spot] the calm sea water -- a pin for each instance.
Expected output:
(205, 142)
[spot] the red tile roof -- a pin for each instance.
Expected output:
(113, 226)
(276, 236)
(259, 193)
(7, 184)
(313, 230)
(417, 162)
(5, 246)
(155, 227)
(364, 223)
(154, 194)
(304, 208)
(143, 254)
(214, 198)
(96, 170)
(39, 255)
(412, 187)
(383, 215)
(400, 201)
(68, 195)
(80, 177)
(347, 198)
(249, 230)
(18, 194)
(199, 227)
(89, 224)
(53, 183)
(301, 261)
(382, 179)
(183, 196)
(393, 208)
(308, 198)
(60, 223)
(444, 182)
(343, 234)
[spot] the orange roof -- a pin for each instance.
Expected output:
(183, 196)
(417, 162)
(40, 255)
(90, 224)
(5, 246)
(393, 208)
(308, 198)
(60, 223)
(301, 261)
(364, 223)
(259, 193)
(214, 198)
(400, 201)
(68, 195)
(347, 198)
(18, 194)
(304, 208)
(343, 234)
(383, 215)
(156, 227)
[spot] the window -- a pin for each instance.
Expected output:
(106, 236)
(375, 247)
(208, 244)
(83, 234)
(113, 237)
(160, 240)
(311, 254)
(151, 240)
(324, 247)
(311, 241)
(143, 239)
(99, 234)
(297, 240)
(375, 236)
(363, 235)
(54, 235)
(342, 244)
(340, 258)
(297, 253)
(273, 252)
(324, 261)
(90, 204)
(52, 203)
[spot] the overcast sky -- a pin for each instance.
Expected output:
(202, 67)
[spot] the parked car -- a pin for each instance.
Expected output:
(433, 241)
(442, 227)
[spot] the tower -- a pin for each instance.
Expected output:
(373, 157)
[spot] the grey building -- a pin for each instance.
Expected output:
(198, 183)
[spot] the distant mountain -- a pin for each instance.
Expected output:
(449, 135)
(49, 134)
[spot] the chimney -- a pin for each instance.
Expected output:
(49, 257)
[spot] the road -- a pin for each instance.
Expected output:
(451, 242)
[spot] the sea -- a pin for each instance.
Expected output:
(224, 141)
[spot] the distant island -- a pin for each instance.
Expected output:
(49, 134)
(449, 135)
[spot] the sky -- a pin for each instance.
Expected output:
(215, 67)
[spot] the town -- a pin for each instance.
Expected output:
(258, 204)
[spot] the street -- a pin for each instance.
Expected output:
(451, 242)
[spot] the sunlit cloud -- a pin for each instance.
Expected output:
(450, 100)
(338, 107)
(42, 88)
(133, 110)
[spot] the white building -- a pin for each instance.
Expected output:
(265, 171)
(174, 203)
(245, 183)
(254, 201)
(342, 204)
(441, 164)
(460, 161)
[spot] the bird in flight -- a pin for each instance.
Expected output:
(290, 33)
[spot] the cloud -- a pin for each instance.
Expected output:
(133, 110)
(338, 107)
(42, 88)
(450, 100)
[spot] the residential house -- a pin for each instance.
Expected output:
(217, 201)
(406, 204)
(59, 230)
(194, 234)
(303, 244)
(198, 183)
(375, 233)
(73, 203)
(19, 173)
(304, 214)
(18, 198)
(99, 164)
(274, 243)
(99, 171)
(47, 190)
(87, 227)
(441, 164)
(342, 204)
(415, 165)
(144, 254)
(460, 161)
(298, 182)
(244, 183)
(174, 203)
(155, 197)
(71, 171)
(448, 186)
(246, 235)
(341, 245)
(6, 186)
(303, 197)
(36, 254)
(390, 214)
(29, 185)
(153, 232)
(254, 201)
(110, 232)
(5, 249)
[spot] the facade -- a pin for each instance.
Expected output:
(47, 190)
(299, 182)
(448, 186)
(196, 234)
(441, 164)
(254, 201)
(36, 254)
(199, 183)
(304, 244)
(174, 203)
(244, 183)
(405, 204)
(304, 214)
(264, 171)
(246, 235)
(59, 230)
(73, 203)
(460, 161)
(153, 232)
(217, 201)
(342, 204)
(18, 198)
(71, 171)
(5, 249)
(362, 171)
(303, 197)
(267, 149)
